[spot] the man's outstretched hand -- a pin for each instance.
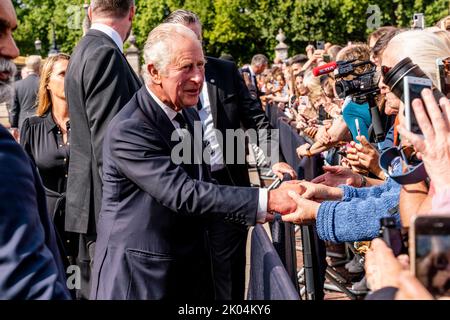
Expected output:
(279, 199)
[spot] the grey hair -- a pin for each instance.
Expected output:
(422, 47)
(182, 16)
(160, 46)
(33, 63)
(259, 60)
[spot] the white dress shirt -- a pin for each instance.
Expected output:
(113, 34)
(209, 132)
(263, 193)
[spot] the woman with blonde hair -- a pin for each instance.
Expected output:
(45, 138)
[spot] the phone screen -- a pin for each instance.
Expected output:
(320, 45)
(430, 253)
(432, 263)
(412, 90)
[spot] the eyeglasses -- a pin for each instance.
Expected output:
(385, 70)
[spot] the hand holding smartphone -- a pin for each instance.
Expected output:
(320, 45)
(412, 89)
(429, 253)
(358, 129)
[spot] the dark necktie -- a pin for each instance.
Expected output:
(182, 121)
(184, 125)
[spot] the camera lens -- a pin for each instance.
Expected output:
(344, 88)
(394, 78)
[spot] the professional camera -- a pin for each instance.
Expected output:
(363, 88)
(362, 85)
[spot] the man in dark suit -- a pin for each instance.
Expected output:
(30, 263)
(25, 93)
(152, 241)
(227, 105)
(258, 65)
(98, 83)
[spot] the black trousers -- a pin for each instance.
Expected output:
(85, 260)
(228, 252)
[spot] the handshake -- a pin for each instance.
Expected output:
(299, 201)
(287, 201)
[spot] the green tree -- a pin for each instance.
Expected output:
(239, 27)
(36, 18)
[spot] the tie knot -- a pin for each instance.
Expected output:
(181, 121)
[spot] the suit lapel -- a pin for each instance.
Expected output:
(156, 116)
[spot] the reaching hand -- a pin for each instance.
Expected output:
(279, 200)
(303, 150)
(335, 176)
(368, 156)
(323, 136)
(320, 192)
(382, 268)
(281, 168)
(434, 147)
(306, 212)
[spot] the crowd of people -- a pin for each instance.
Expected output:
(94, 183)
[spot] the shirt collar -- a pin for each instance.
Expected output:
(49, 122)
(113, 34)
(167, 110)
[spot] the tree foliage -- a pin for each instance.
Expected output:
(238, 27)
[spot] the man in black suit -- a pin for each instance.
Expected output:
(152, 240)
(259, 63)
(25, 93)
(30, 263)
(227, 105)
(98, 83)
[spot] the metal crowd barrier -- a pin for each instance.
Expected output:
(274, 265)
(268, 277)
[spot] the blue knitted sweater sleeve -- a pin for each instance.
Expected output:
(357, 218)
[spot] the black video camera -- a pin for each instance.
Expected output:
(363, 88)
(362, 85)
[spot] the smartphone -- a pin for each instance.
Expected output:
(443, 72)
(292, 101)
(418, 21)
(391, 235)
(320, 45)
(412, 88)
(357, 127)
(429, 252)
(304, 100)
